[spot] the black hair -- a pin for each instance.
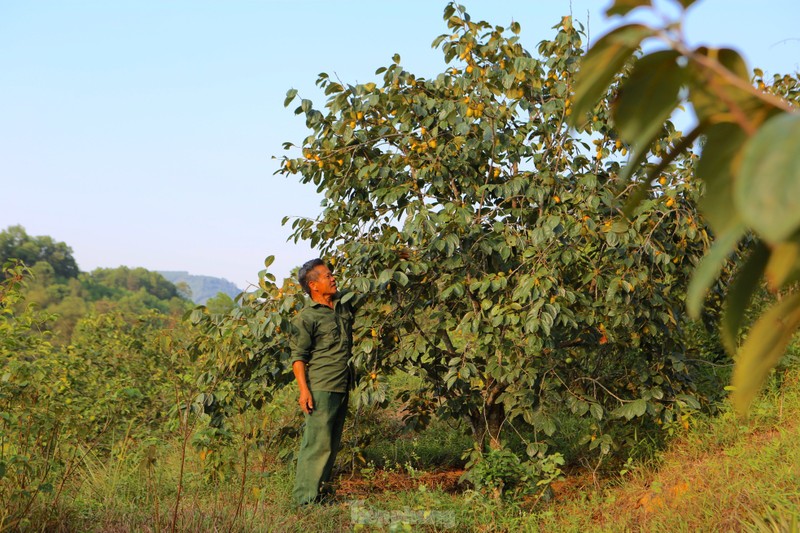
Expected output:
(307, 273)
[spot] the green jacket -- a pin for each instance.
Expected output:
(323, 338)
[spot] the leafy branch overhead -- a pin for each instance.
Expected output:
(749, 167)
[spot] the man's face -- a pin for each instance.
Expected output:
(325, 283)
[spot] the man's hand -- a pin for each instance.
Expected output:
(306, 401)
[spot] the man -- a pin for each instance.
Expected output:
(321, 343)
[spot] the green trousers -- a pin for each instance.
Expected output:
(321, 439)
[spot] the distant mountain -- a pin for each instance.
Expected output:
(202, 287)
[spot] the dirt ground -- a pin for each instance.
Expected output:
(393, 481)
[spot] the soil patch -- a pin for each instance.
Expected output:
(393, 481)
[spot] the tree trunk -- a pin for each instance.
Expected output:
(487, 422)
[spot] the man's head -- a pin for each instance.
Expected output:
(315, 276)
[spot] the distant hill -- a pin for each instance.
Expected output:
(202, 287)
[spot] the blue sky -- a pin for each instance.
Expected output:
(142, 133)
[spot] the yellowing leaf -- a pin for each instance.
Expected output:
(763, 349)
(710, 94)
(782, 264)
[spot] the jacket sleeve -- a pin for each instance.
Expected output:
(300, 341)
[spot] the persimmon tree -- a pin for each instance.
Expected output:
(524, 293)
(749, 169)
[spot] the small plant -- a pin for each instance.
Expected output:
(501, 473)
(627, 467)
(368, 470)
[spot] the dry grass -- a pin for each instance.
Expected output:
(722, 475)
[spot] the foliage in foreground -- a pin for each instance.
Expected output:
(749, 167)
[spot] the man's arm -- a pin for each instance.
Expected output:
(300, 343)
(306, 400)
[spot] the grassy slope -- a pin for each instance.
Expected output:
(724, 474)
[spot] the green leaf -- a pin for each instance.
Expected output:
(767, 192)
(623, 7)
(400, 278)
(639, 407)
(385, 276)
(269, 260)
(542, 422)
(740, 292)
(579, 408)
(716, 170)
(648, 97)
(631, 409)
(449, 10)
(290, 94)
(710, 267)
(690, 401)
(762, 350)
(367, 345)
(197, 314)
(436, 42)
(600, 65)
(457, 290)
